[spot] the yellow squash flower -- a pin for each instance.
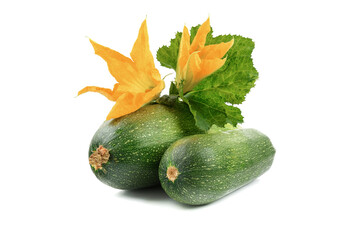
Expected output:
(197, 61)
(138, 81)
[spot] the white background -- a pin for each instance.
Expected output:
(306, 100)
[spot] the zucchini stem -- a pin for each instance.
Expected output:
(99, 157)
(172, 173)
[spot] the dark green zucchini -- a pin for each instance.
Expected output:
(125, 152)
(202, 168)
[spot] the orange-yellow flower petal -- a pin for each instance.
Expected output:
(184, 49)
(197, 61)
(140, 52)
(121, 68)
(126, 103)
(200, 37)
(154, 92)
(216, 50)
(190, 71)
(197, 69)
(207, 67)
(139, 81)
(108, 93)
(130, 102)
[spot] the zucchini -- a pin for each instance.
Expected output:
(125, 152)
(202, 168)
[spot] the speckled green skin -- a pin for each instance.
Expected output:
(137, 142)
(214, 165)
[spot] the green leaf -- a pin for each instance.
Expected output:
(168, 55)
(173, 89)
(209, 110)
(227, 127)
(211, 101)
